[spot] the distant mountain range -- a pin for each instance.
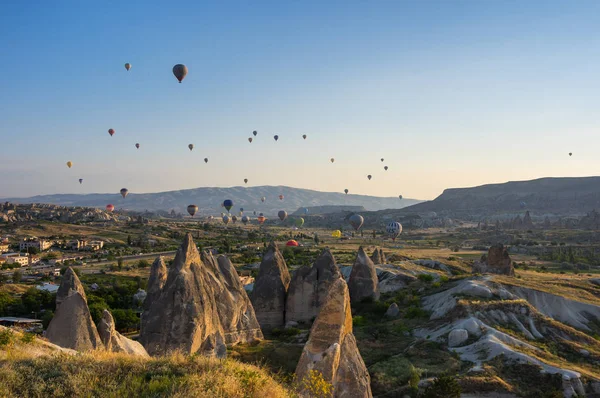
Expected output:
(566, 196)
(209, 200)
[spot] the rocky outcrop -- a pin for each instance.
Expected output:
(72, 325)
(69, 284)
(378, 257)
(363, 278)
(309, 288)
(184, 317)
(497, 261)
(331, 348)
(115, 342)
(457, 337)
(270, 289)
(392, 311)
(234, 307)
(527, 223)
(156, 282)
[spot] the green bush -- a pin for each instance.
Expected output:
(415, 312)
(443, 387)
(358, 321)
(7, 337)
(27, 338)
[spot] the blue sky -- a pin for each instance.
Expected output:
(450, 93)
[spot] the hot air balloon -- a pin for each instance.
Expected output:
(245, 220)
(124, 192)
(261, 219)
(523, 204)
(110, 207)
(276, 137)
(369, 177)
(332, 160)
(263, 199)
(111, 132)
(222, 214)
(304, 136)
(233, 219)
(306, 210)
(570, 153)
(69, 164)
(180, 71)
(250, 140)
(192, 209)
(400, 196)
(299, 222)
(137, 146)
(292, 243)
(81, 180)
(282, 215)
(382, 160)
(255, 133)
(336, 234)
(385, 168)
(205, 160)
(281, 197)
(254, 212)
(241, 209)
(245, 181)
(127, 66)
(228, 204)
(393, 229)
(191, 146)
(346, 191)
(226, 219)
(356, 221)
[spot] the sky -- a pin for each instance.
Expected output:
(449, 93)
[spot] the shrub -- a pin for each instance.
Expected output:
(443, 387)
(6, 337)
(315, 385)
(27, 338)
(425, 277)
(415, 312)
(358, 321)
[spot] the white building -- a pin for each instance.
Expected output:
(3, 247)
(40, 244)
(15, 258)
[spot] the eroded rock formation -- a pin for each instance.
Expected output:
(497, 261)
(114, 341)
(331, 349)
(378, 257)
(309, 288)
(270, 289)
(363, 278)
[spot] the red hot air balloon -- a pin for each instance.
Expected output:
(111, 132)
(110, 208)
(281, 197)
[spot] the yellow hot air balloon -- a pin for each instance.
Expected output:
(69, 164)
(336, 234)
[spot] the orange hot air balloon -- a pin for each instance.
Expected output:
(292, 243)
(180, 71)
(281, 197)
(110, 208)
(261, 219)
(111, 132)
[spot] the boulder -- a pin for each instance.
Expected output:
(234, 307)
(497, 261)
(378, 257)
(270, 289)
(115, 342)
(184, 317)
(457, 337)
(363, 278)
(331, 348)
(69, 285)
(309, 287)
(392, 311)
(72, 325)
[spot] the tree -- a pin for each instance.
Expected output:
(33, 250)
(17, 276)
(143, 264)
(129, 240)
(316, 239)
(443, 387)
(120, 263)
